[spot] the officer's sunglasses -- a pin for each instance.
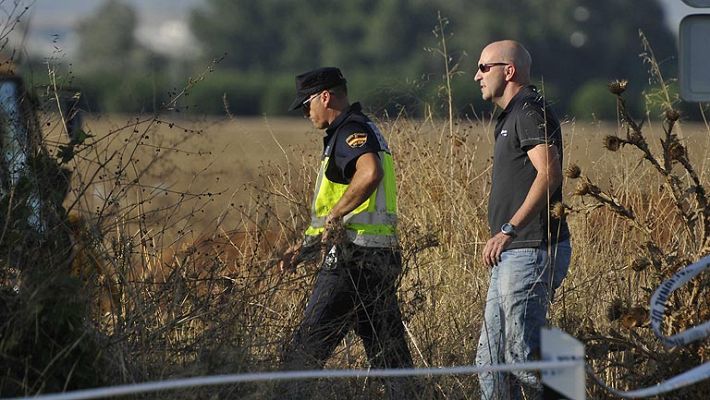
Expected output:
(306, 105)
(487, 66)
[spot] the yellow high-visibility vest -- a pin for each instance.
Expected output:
(373, 223)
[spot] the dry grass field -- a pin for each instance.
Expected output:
(190, 216)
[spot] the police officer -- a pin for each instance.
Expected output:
(353, 230)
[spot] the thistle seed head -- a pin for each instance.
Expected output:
(559, 210)
(612, 143)
(635, 317)
(581, 189)
(618, 86)
(640, 264)
(615, 310)
(573, 171)
(672, 115)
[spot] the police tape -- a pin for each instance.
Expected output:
(147, 387)
(660, 298)
(658, 310)
(658, 307)
(687, 378)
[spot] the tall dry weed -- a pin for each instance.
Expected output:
(206, 298)
(645, 223)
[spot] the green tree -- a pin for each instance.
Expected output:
(290, 35)
(593, 101)
(106, 39)
(248, 34)
(115, 72)
(572, 42)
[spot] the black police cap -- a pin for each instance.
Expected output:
(312, 82)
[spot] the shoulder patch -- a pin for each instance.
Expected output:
(356, 139)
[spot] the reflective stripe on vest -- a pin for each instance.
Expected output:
(373, 223)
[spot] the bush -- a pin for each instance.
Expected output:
(384, 95)
(45, 341)
(592, 100)
(222, 91)
(45, 344)
(132, 92)
(278, 94)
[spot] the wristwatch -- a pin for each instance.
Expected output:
(508, 229)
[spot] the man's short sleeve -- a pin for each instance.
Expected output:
(535, 127)
(353, 140)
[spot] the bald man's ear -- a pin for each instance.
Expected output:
(509, 72)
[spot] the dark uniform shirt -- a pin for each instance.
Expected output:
(526, 122)
(350, 135)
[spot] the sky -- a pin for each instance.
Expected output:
(163, 24)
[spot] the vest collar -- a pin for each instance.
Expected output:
(354, 108)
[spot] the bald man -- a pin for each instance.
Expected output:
(529, 250)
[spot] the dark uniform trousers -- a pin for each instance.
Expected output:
(355, 289)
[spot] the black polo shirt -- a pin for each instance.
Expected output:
(349, 136)
(526, 122)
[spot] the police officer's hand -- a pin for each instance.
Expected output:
(288, 259)
(494, 248)
(333, 232)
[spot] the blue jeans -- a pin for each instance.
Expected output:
(521, 287)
